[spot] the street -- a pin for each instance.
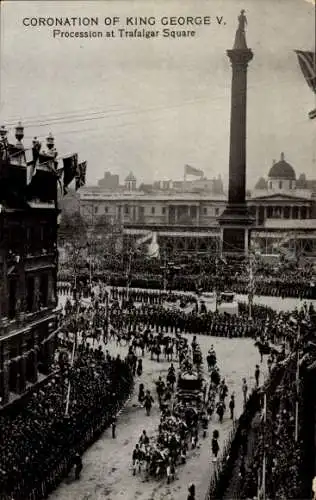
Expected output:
(107, 470)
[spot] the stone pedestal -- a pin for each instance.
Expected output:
(235, 240)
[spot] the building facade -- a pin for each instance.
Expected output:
(29, 260)
(188, 222)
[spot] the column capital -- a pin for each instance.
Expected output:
(240, 57)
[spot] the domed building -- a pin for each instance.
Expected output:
(281, 176)
(130, 182)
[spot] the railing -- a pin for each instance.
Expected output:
(24, 319)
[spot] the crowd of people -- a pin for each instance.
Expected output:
(273, 441)
(271, 431)
(282, 279)
(43, 438)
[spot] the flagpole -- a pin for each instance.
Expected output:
(165, 272)
(72, 358)
(264, 447)
(297, 384)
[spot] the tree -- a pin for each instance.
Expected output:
(72, 229)
(72, 235)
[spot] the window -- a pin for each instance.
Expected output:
(153, 210)
(163, 210)
(126, 209)
(216, 211)
(106, 209)
(12, 298)
(43, 290)
(280, 184)
(95, 210)
(270, 184)
(291, 185)
(205, 211)
(29, 293)
(286, 212)
(295, 212)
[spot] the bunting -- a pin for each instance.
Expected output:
(70, 168)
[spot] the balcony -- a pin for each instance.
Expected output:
(25, 320)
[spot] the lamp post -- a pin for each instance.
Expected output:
(128, 274)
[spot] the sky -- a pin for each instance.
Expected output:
(152, 106)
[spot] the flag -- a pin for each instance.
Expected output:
(70, 168)
(312, 114)
(307, 64)
(60, 180)
(81, 175)
(153, 248)
(188, 170)
(31, 165)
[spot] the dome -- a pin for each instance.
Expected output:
(282, 170)
(130, 177)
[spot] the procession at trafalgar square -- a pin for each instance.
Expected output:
(157, 341)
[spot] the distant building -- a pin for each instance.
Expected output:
(70, 202)
(109, 181)
(187, 220)
(130, 182)
(200, 185)
(261, 184)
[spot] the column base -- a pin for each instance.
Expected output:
(235, 240)
(236, 214)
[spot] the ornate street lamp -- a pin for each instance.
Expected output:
(19, 134)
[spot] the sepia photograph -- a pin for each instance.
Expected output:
(157, 249)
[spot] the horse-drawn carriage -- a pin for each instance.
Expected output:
(190, 388)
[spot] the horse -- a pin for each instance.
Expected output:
(168, 351)
(265, 349)
(197, 357)
(211, 361)
(155, 349)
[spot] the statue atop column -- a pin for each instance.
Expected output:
(240, 38)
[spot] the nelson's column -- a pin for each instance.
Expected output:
(236, 219)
